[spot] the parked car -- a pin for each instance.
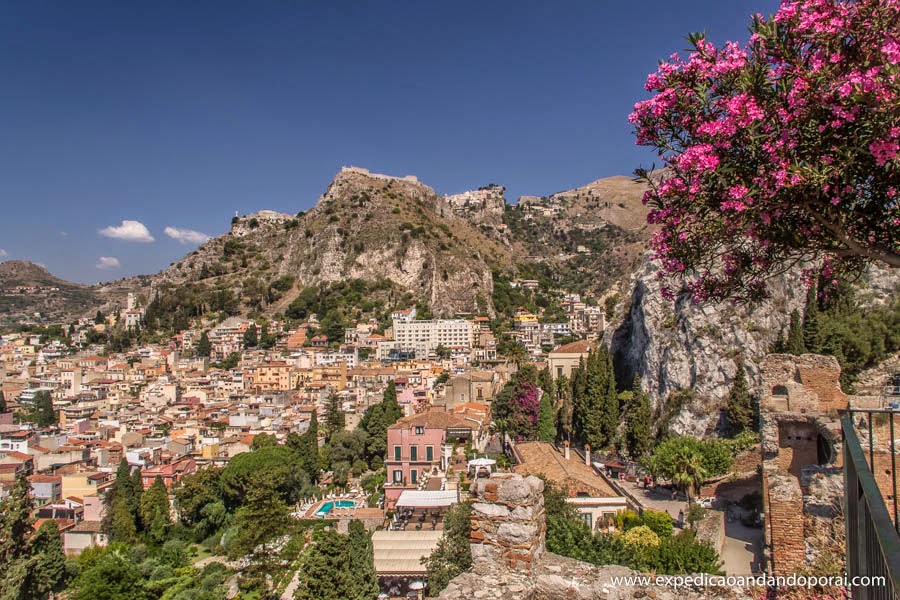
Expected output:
(706, 502)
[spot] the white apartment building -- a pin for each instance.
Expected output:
(456, 334)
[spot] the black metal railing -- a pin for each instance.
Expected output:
(873, 544)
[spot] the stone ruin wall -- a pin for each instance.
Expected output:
(801, 459)
(510, 561)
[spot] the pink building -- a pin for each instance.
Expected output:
(416, 445)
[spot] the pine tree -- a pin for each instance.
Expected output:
(361, 563)
(739, 407)
(546, 429)
(137, 492)
(98, 318)
(795, 343)
(204, 348)
(812, 329)
(637, 421)
(155, 511)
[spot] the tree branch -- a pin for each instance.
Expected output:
(884, 255)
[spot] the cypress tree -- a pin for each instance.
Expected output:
(251, 337)
(564, 393)
(611, 412)
(16, 522)
(546, 429)
(739, 407)
(589, 409)
(155, 511)
(311, 448)
(122, 526)
(49, 560)
(2, 402)
(361, 563)
(795, 344)
(637, 421)
(204, 348)
(334, 414)
(812, 330)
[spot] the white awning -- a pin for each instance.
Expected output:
(401, 552)
(426, 499)
(482, 462)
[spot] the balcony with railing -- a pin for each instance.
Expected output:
(870, 501)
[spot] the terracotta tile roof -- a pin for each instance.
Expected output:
(579, 347)
(541, 458)
(433, 419)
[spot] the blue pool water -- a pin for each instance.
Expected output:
(329, 506)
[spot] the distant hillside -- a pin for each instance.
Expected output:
(589, 239)
(367, 227)
(27, 288)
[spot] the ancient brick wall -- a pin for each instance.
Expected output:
(508, 521)
(784, 523)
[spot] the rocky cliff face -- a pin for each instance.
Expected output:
(367, 226)
(681, 346)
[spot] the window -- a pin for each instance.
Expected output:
(413, 453)
(559, 372)
(414, 476)
(588, 520)
(396, 452)
(429, 453)
(420, 430)
(398, 476)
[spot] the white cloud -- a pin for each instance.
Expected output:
(108, 262)
(186, 236)
(3, 253)
(130, 231)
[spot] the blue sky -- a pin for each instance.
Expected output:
(178, 114)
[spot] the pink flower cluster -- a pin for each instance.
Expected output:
(750, 162)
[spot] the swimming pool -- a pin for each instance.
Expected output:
(329, 506)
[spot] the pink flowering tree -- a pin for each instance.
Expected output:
(777, 153)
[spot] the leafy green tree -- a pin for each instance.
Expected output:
(795, 343)
(361, 562)
(204, 348)
(155, 511)
(278, 467)
(41, 412)
(264, 440)
(637, 421)
(195, 491)
(739, 406)
(375, 422)
(107, 574)
(453, 555)
(687, 461)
